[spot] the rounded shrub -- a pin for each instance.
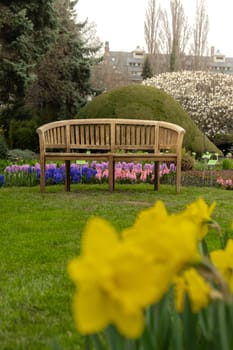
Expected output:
(146, 102)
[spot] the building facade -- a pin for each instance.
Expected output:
(120, 68)
(219, 63)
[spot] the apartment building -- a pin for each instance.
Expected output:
(123, 68)
(219, 63)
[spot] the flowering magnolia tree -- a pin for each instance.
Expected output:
(207, 97)
(154, 286)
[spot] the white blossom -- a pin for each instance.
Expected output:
(206, 97)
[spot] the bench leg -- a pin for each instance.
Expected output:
(178, 175)
(67, 175)
(42, 175)
(156, 176)
(111, 174)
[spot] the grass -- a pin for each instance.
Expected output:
(40, 233)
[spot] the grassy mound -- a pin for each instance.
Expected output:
(146, 102)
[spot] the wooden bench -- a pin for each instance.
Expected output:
(110, 140)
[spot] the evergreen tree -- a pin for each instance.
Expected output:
(26, 33)
(45, 64)
(146, 69)
(63, 82)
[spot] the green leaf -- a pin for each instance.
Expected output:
(87, 344)
(189, 326)
(176, 333)
(97, 342)
(223, 240)
(206, 322)
(222, 325)
(204, 248)
(115, 340)
(166, 308)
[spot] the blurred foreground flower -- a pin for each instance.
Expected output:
(153, 286)
(115, 282)
(223, 260)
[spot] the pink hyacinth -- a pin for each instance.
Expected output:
(228, 183)
(98, 175)
(143, 176)
(220, 180)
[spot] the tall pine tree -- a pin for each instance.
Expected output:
(146, 69)
(26, 33)
(63, 82)
(45, 64)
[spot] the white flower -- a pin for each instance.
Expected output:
(205, 96)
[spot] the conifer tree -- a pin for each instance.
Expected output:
(45, 64)
(63, 82)
(27, 32)
(146, 69)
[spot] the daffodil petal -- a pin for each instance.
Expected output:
(90, 311)
(100, 239)
(130, 325)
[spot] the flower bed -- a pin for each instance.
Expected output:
(96, 172)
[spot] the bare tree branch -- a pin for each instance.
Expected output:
(175, 33)
(151, 27)
(200, 33)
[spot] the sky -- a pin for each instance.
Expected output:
(121, 22)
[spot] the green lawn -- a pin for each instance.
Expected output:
(40, 233)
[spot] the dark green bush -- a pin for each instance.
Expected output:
(146, 102)
(3, 165)
(3, 147)
(187, 162)
(224, 142)
(23, 135)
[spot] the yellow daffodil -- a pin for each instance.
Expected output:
(194, 285)
(114, 282)
(120, 275)
(168, 240)
(200, 213)
(223, 260)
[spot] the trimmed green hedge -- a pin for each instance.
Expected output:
(145, 102)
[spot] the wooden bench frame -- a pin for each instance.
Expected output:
(110, 140)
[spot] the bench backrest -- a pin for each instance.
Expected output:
(110, 135)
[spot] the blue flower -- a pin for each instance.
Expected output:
(1, 180)
(58, 175)
(88, 174)
(76, 177)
